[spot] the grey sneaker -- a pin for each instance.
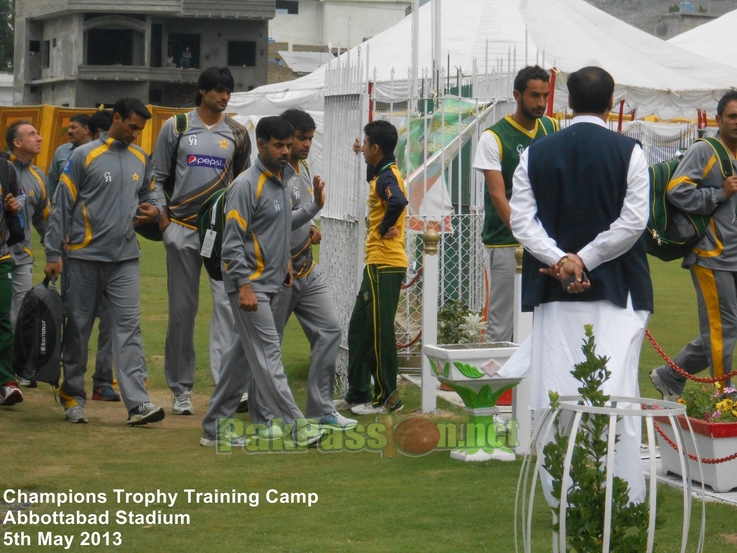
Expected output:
(338, 421)
(662, 387)
(76, 414)
(145, 413)
(182, 404)
(208, 440)
(343, 405)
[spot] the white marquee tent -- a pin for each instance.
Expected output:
(652, 75)
(714, 40)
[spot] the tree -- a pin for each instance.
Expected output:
(7, 26)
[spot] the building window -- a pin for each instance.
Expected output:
(290, 7)
(45, 51)
(110, 47)
(241, 54)
(34, 46)
(53, 43)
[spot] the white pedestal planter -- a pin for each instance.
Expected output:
(713, 441)
(618, 409)
(469, 372)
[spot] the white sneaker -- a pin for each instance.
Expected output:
(75, 414)
(182, 404)
(367, 409)
(336, 420)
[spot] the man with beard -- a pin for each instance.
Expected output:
(212, 150)
(308, 298)
(256, 264)
(497, 156)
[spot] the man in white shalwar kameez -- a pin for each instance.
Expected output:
(580, 204)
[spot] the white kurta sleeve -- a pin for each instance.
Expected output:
(526, 227)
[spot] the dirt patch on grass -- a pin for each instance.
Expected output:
(729, 538)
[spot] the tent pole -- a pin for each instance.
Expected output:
(415, 50)
(621, 115)
(551, 97)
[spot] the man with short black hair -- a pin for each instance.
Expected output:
(24, 143)
(372, 342)
(99, 122)
(700, 187)
(308, 298)
(210, 153)
(78, 133)
(497, 156)
(256, 265)
(580, 204)
(106, 188)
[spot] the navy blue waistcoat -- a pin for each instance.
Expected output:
(579, 179)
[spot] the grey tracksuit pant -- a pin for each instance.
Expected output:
(87, 281)
(103, 375)
(308, 298)
(183, 263)
(253, 361)
(22, 282)
(500, 267)
(716, 295)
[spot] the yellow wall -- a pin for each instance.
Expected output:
(52, 123)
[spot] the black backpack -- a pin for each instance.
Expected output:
(672, 233)
(211, 218)
(37, 343)
(151, 231)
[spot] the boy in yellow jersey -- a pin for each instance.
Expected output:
(372, 344)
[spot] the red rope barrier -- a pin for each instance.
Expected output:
(414, 280)
(680, 371)
(412, 343)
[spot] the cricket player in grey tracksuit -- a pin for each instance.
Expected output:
(308, 298)
(699, 186)
(208, 158)
(255, 257)
(35, 211)
(105, 187)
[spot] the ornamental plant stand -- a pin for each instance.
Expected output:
(469, 370)
(712, 440)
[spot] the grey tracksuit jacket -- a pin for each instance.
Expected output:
(258, 222)
(304, 208)
(35, 210)
(696, 187)
(99, 192)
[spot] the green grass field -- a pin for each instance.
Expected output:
(366, 502)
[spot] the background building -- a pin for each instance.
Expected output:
(82, 53)
(338, 22)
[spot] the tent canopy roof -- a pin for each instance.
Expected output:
(713, 40)
(651, 74)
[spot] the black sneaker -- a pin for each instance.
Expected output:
(144, 414)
